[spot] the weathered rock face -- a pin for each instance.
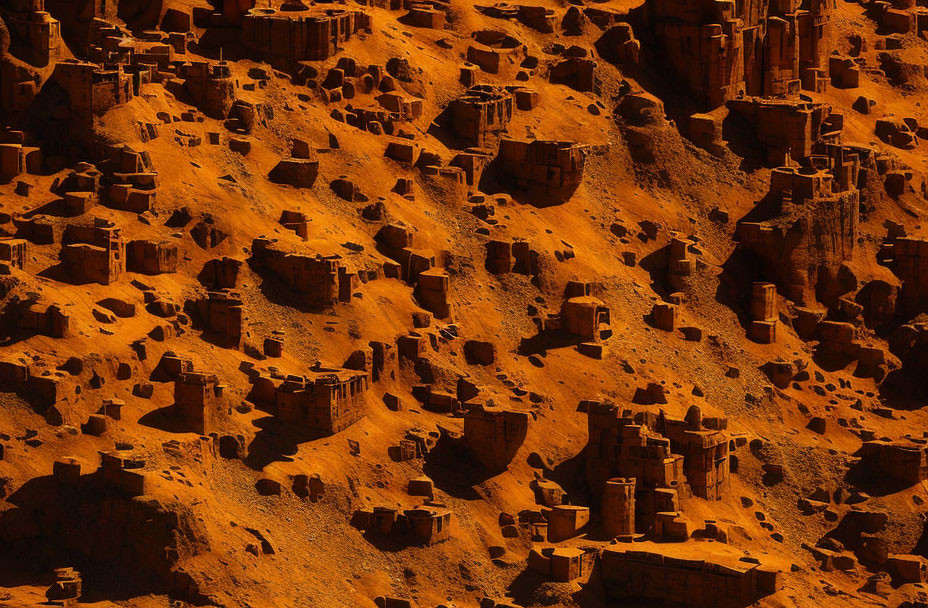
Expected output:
(494, 436)
(93, 253)
(547, 164)
(211, 87)
(480, 113)
(297, 172)
(910, 259)
(324, 402)
(30, 33)
(787, 129)
(320, 281)
(902, 462)
(808, 224)
(620, 447)
(387, 260)
(102, 522)
(720, 51)
(146, 257)
(299, 35)
(643, 576)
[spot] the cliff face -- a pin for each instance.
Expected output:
(439, 304)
